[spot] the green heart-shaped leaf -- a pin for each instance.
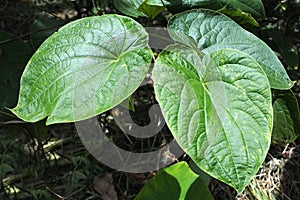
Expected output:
(87, 67)
(219, 109)
(210, 31)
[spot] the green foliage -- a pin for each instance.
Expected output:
(140, 8)
(130, 7)
(242, 18)
(286, 117)
(210, 104)
(254, 7)
(104, 54)
(175, 182)
(213, 86)
(151, 8)
(210, 31)
(204, 176)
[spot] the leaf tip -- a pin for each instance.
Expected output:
(291, 84)
(14, 111)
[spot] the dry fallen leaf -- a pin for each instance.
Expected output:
(104, 186)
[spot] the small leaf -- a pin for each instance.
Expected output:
(210, 31)
(177, 181)
(240, 17)
(130, 7)
(286, 117)
(151, 8)
(254, 7)
(218, 108)
(87, 67)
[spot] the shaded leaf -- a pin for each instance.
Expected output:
(198, 191)
(240, 17)
(151, 8)
(203, 175)
(130, 7)
(254, 7)
(286, 117)
(177, 181)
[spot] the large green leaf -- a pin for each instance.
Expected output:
(130, 7)
(254, 7)
(218, 108)
(210, 31)
(175, 182)
(286, 117)
(86, 68)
